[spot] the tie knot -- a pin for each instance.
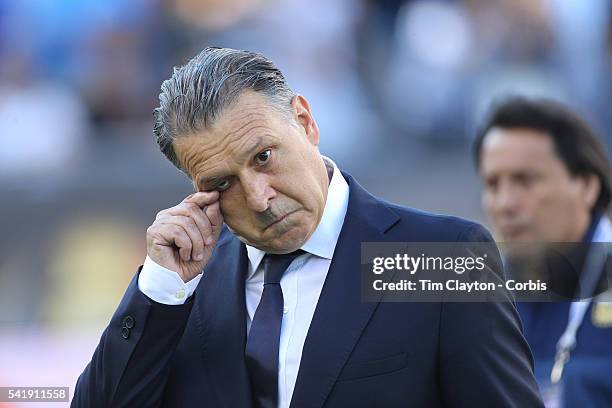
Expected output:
(276, 264)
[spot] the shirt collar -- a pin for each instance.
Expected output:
(323, 240)
(590, 232)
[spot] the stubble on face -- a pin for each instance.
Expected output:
(275, 206)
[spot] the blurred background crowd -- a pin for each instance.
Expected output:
(398, 88)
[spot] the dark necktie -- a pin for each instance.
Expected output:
(264, 337)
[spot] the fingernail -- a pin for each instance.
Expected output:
(198, 257)
(209, 240)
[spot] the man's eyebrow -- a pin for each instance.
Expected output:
(260, 141)
(207, 181)
(255, 146)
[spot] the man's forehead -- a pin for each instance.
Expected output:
(245, 125)
(248, 107)
(524, 143)
(517, 149)
(240, 127)
(520, 137)
(201, 154)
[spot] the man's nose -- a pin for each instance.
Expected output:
(257, 192)
(507, 198)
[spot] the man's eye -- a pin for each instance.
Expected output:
(263, 157)
(491, 184)
(224, 185)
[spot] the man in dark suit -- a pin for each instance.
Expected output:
(267, 312)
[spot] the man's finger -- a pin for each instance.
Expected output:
(203, 198)
(180, 239)
(213, 212)
(192, 210)
(190, 227)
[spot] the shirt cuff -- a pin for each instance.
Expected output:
(163, 285)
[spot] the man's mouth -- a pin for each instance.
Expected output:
(513, 231)
(279, 219)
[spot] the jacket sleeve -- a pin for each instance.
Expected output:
(130, 365)
(484, 359)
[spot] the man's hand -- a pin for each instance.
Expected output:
(183, 237)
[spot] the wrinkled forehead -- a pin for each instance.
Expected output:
(245, 126)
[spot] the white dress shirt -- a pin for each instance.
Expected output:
(301, 284)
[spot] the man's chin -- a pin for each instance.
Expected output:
(276, 248)
(288, 242)
(525, 259)
(281, 245)
(522, 250)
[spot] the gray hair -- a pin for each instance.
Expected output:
(192, 99)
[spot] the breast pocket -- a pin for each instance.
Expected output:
(376, 367)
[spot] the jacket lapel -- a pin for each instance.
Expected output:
(340, 315)
(220, 313)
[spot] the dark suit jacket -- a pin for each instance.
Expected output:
(356, 354)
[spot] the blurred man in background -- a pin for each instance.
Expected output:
(546, 180)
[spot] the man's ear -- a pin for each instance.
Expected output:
(304, 119)
(591, 187)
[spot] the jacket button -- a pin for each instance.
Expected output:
(125, 332)
(129, 322)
